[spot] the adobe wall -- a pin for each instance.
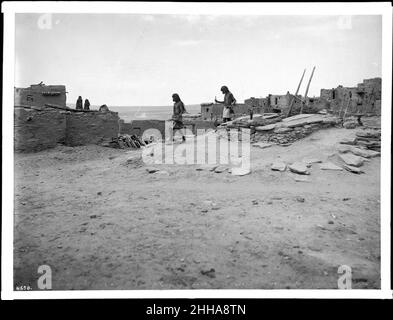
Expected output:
(214, 111)
(38, 130)
(138, 127)
(279, 101)
(194, 125)
(91, 127)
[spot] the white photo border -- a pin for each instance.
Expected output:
(361, 8)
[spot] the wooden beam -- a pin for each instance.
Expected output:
(308, 86)
(346, 109)
(67, 108)
(297, 90)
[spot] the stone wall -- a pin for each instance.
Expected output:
(91, 127)
(294, 128)
(38, 130)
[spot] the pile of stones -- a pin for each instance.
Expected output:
(125, 141)
(293, 128)
(368, 138)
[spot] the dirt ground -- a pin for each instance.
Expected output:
(100, 223)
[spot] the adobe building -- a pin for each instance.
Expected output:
(365, 98)
(259, 105)
(279, 103)
(38, 127)
(273, 103)
(39, 94)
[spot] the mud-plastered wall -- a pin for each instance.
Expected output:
(38, 130)
(139, 127)
(91, 127)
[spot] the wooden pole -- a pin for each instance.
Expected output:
(297, 90)
(49, 105)
(346, 109)
(308, 86)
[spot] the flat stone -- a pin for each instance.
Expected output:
(343, 148)
(298, 116)
(351, 159)
(278, 166)
(330, 166)
(364, 153)
(240, 171)
(351, 141)
(311, 160)
(270, 115)
(162, 172)
(352, 169)
(369, 134)
(266, 128)
(220, 169)
(313, 118)
(299, 168)
(151, 169)
(262, 145)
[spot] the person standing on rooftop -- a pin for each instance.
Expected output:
(229, 102)
(79, 103)
(87, 105)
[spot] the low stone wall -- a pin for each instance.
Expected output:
(38, 130)
(289, 131)
(91, 127)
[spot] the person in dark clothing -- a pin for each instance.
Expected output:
(87, 105)
(79, 103)
(229, 102)
(177, 117)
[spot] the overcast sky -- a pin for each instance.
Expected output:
(127, 59)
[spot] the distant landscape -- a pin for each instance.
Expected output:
(146, 112)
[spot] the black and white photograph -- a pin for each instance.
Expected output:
(196, 150)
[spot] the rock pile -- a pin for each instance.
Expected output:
(293, 128)
(125, 141)
(367, 138)
(273, 128)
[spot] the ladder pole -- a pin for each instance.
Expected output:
(297, 90)
(305, 94)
